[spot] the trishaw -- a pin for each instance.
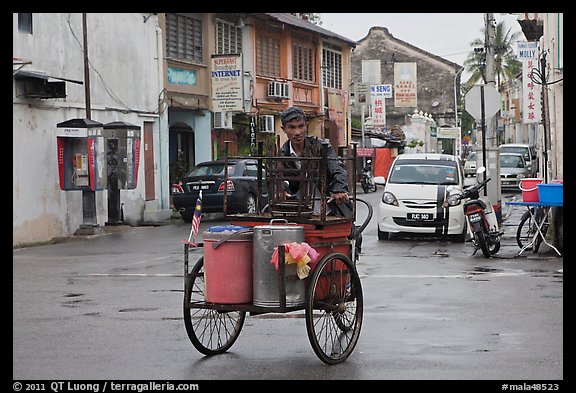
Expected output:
(331, 294)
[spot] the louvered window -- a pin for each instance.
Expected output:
(303, 62)
(184, 37)
(267, 55)
(228, 38)
(332, 68)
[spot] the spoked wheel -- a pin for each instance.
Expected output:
(526, 230)
(334, 308)
(211, 332)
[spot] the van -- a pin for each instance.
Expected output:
(528, 151)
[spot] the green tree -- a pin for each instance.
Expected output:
(507, 66)
(310, 17)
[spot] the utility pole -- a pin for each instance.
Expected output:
(491, 154)
(86, 68)
(545, 116)
(89, 224)
(492, 132)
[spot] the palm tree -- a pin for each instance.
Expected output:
(507, 66)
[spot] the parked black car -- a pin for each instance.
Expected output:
(209, 177)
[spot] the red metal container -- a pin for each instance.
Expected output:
(228, 268)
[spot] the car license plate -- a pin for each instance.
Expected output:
(201, 187)
(419, 216)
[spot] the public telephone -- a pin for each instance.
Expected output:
(81, 155)
(80, 174)
(84, 153)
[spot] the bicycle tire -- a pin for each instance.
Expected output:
(335, 293)
(211, 332)
(525, 231)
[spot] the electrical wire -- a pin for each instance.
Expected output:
(107, 88)
(539, 76)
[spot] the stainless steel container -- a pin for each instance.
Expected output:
(265, 289)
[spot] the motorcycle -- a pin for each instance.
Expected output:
(482, 222)
(367, 179)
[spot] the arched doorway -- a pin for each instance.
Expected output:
(181, 150)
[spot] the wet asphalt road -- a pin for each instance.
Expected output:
(110, 307)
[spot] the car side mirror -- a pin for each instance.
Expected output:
(379, 180)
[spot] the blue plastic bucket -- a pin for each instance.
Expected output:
(551, 193)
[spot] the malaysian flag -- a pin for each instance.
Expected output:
(196, 219)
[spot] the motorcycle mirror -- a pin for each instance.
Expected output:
(449, 189)
(480, 170)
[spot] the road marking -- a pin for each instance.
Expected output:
(134, 275)
(149, 260)
(410, 276)
(464, 275)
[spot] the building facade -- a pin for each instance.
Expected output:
(125, 83)
(248, 68)
(436, 88)
(163, 74)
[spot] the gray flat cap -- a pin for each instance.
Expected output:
(292, 113)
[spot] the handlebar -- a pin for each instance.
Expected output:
(475, 188)
(361, 228)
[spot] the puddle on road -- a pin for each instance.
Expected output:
(485, 270)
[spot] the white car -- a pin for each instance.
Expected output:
(416, 196)
(470, 165)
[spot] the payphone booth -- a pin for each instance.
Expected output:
(81, 155)
(123, 158)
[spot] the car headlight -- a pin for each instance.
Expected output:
(520, 176)
(453, 200)
(389, 199)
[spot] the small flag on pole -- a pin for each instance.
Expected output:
(196, 219)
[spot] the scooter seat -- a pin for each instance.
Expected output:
(475, 202)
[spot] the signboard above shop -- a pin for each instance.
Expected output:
(381, 91)
(227, 83)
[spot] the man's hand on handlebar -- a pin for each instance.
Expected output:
(339, 197)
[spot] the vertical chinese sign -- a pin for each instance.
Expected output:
(405, 85)
(531, 106)
(378, 93)
(227, 83)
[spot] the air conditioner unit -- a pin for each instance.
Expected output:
(266, 123)
(223, 120)
(278, 89)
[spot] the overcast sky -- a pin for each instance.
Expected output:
(447, 35)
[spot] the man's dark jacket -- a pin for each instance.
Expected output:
(337, 176)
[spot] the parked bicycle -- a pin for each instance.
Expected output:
(528, 228)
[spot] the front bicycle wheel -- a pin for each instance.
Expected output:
(334, 308)
(211, 332)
